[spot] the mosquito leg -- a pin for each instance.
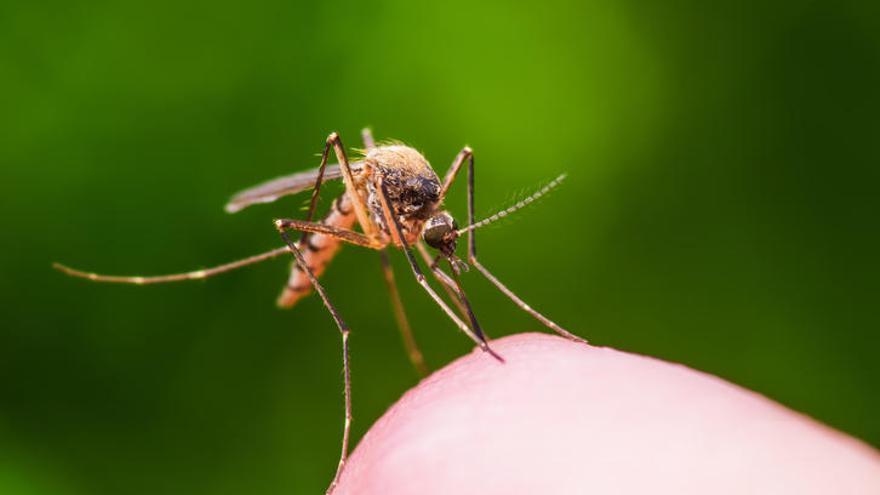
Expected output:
(445, 281)
(290, 288)
(360, 205)
(305, 227)
(367, 138)
(465, 154)
(344, 331)
(176, 277)
(525, 307)
(328, 242)
(294, 288)
(472, 258)
(452, 286)
(313, 204)
(476, 334)
(343, 235)
(409, 341)
(459, 291)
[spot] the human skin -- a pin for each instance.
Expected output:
(565, 418)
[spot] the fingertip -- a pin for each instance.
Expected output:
(563, 417)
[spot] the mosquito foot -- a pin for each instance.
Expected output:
(485, 347)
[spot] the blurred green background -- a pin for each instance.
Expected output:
(721, 211)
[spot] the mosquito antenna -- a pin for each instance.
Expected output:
(519, 205)
(177, 277)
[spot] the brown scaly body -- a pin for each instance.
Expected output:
(414, 190)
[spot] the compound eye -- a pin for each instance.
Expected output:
(434, 235)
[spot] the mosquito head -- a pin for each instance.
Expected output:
(441, 232)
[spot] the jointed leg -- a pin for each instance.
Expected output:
(360, 205)
(177, 277)
(525, 307)
(307, 227)
(336, 227)
(452, 286)
(318, 181)
(344, 235)
(459, 291)
(290, 292)
(445, 280)
(465, 154)
(409, 341)
(344, 331)
(476, 334)
(472, 258)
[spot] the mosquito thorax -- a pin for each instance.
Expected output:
(412, 185)
(440, 232)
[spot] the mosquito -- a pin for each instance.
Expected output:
(396, 199)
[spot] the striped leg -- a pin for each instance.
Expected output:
(472, 249)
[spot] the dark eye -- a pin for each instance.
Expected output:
(434, 235)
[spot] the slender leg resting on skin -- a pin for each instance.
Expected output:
(308, 227)
(344, 331)
(397, 233)
(472, 249)
(459, 291)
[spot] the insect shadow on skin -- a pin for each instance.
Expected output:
(396, 199)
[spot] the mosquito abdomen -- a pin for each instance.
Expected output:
(318, 251)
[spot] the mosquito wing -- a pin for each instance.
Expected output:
(269, 191)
